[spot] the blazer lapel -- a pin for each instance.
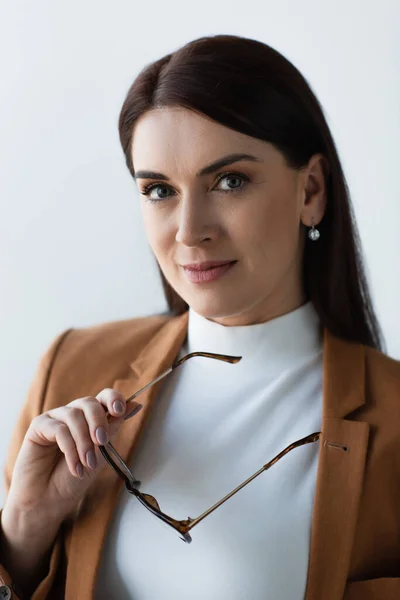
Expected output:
(339, 476)
(341, 464)
(90, 529)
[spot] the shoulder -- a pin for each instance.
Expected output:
(382, 396)
(116, 335)
(117, 340)
(382, 371)
(83, 358)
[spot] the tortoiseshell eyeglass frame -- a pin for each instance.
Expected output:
(132, 484)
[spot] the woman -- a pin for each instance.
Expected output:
(289, 301)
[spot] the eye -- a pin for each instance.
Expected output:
(235, 176)
(152, 186)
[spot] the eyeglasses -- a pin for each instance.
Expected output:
(132, 484)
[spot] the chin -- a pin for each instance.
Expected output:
(217, 308)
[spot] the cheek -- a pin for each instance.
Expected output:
(269, 232)
(154, 226)
(157, 230)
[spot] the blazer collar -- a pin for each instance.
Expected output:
(341, 463)
(162, 348)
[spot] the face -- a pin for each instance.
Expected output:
(249, 211)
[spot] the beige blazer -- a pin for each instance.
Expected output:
(355, 541)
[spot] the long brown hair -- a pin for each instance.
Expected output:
(248, 86)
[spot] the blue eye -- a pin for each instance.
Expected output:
(244, 179)
(153, 186)
(234, 176)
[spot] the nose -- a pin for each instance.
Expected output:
(195, 222)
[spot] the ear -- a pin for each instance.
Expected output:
(314, 189)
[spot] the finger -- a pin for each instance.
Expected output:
(84, 420)
(109, 396)
(113, 400)
(45, 430)
(87, 419)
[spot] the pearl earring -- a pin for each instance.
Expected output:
(313, 233)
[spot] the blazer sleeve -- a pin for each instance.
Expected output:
(35, 404)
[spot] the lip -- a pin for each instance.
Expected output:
(208, 264)
(203, 275)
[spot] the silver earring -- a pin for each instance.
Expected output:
(313, 233)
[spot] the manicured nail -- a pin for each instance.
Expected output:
(101, 435)
(79, 469)
(118, 407)
(134, 412)
(91, 459)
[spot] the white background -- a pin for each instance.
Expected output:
(72, 249)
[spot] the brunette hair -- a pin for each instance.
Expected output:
(248, 86)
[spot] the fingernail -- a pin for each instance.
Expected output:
(79, 469)
(134, 412)
(101, 435)
(118, 407)
(91, 459)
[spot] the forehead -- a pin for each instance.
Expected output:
(177, 140)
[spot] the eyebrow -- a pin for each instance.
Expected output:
(222, 162)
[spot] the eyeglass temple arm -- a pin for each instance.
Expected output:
(224, 357)
(313, 437)
(108, 449)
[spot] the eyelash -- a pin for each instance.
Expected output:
(151, 186)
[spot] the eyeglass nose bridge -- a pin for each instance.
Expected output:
(150, 503)
(132, 485)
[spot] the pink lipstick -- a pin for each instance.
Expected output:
(207, 271)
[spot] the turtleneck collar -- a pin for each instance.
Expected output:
(280, 342)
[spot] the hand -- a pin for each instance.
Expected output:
(57, 446)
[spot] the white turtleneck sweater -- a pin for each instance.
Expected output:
(214, 425)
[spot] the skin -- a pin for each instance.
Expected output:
(260, 224)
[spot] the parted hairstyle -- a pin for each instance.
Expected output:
(248, 86)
